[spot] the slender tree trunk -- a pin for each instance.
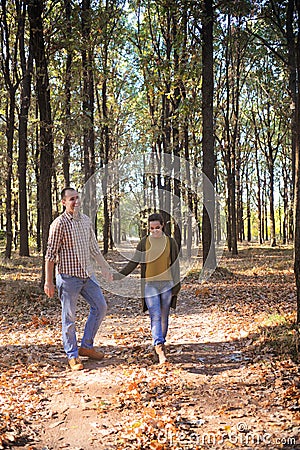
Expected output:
(285, 197)
(27, 67)
(105, 155)
(67, 137)
(189, 193)
(265, 210)
(88, 92)
(297, 173)
(291, 46)
(229, 157)
(166, 130)
(177, 213)
(209, 159)
(272, 210)
(35, 11)
(259, 198)
(37, 177)
(165, 207)
(8, 59)
(9, 172)
(240, 221)
(249, 233)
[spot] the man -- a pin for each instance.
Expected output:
(71, 244)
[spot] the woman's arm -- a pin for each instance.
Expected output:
(134, 262)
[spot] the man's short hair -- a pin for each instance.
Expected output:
(63, 192)
(156, 217)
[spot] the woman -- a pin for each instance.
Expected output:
(157, 255)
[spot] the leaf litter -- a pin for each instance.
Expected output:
(232, 380)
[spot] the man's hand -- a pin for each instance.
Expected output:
(49, 289)
(107, 274)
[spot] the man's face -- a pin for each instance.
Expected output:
(155, 228)
(71, 201)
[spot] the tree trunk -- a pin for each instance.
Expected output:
(37, 177)
(259, 197)
(265, 210)
(67, 137)
(209, 159)
(9, 171)
(88, 92)
(248, 206)
(230, 157)
(166, 131)
(35, 10)
(104, 157)
(285, 196)
(290, 39)
(177, 213)
(25, 96)
(165, 207)
(272, 210)
(297, 173)
(9, 65)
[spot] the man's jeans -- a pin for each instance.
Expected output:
(158, 296)
(69, 288)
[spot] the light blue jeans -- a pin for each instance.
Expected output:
(69, 288)
(158, 297)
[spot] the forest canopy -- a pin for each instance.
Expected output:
(86, 83)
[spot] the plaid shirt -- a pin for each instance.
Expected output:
(71, 243)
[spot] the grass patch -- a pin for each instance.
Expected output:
(279, 335)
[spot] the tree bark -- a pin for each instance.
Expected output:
(105, 155)
(35, 10)
(9, 171)
(8, 65)
(209, 159)
(27, 67)
(297, 173)
(67, 137)
(88, 92)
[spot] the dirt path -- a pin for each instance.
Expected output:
(226, 385)
(215, 393)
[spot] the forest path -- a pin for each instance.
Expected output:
(228, 384)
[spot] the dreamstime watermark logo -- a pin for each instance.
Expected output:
(133, 187)
(239, 435)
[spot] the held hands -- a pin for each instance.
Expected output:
(112, 275)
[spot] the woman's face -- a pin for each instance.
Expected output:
(155, 228)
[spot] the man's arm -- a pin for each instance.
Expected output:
(104, 266)
(97, 255)
(49, 287)
(53, 245)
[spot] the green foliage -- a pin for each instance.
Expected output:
(146, 59)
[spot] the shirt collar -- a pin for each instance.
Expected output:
(71, 217)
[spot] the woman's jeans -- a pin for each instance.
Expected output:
(69, 288)
(158, 297)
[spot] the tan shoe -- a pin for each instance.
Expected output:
(160, 351)
(91, 353)
(75, 364)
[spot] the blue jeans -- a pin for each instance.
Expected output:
(158, 297)
(69, 288)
